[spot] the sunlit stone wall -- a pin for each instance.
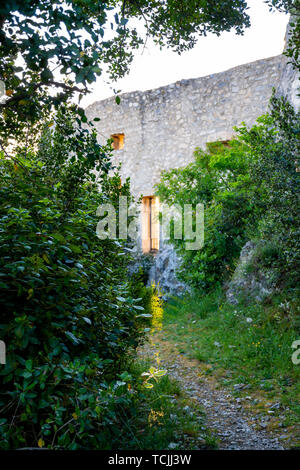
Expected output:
(163, 126)
(289, 83)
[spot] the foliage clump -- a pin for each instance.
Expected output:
(218, 178)
(250, 190)
(69, 316)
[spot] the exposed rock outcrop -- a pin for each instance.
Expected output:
(256, 283)
(163, 272)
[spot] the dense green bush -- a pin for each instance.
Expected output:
(273, 151)
(69, 317)
(219, 179)
(250, 190)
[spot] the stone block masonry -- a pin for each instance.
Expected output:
(162, 127)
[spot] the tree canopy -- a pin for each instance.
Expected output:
(64, 45)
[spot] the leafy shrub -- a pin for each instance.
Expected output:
(219, 179)
(273, 152)
(69, 318)
(265, 255)
(250, 190)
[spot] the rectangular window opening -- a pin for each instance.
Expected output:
(118, 141)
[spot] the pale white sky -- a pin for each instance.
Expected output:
(154, 68)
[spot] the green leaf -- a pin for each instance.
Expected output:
(72, 337)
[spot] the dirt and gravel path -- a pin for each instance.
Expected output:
(233, 425)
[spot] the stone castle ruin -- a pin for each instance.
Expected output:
(159, 130)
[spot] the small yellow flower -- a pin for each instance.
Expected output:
(41, 443)
(153, 417)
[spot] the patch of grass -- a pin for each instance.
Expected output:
(197, 306)
(248, 345)
(165, 416)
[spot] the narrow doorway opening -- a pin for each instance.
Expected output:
(150, 224)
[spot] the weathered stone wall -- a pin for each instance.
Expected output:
(289, 80)
(163, 126)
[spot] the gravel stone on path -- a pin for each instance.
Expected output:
(226, 418)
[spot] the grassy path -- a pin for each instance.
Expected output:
(231, 426)
(235, 362)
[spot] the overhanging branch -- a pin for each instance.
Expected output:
(28, 94)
